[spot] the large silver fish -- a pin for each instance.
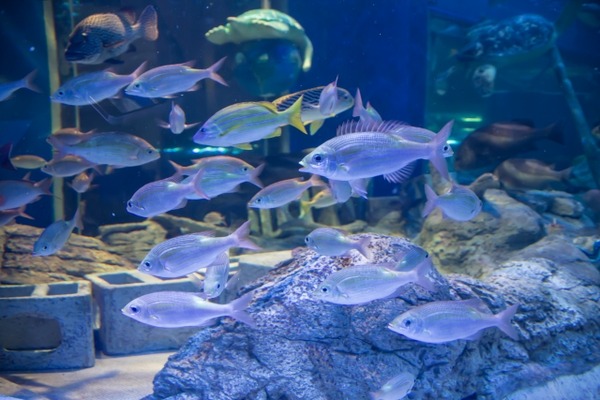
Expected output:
(93, 87)
(185, 254)
(113, 148)
(458, 203)
(283, 192)
(361, 284)
(365, 150)
(14, 194)
(168, 80)
(179, 309)
(54, 237)
(444, 321)
(311, 114)
(101, 37)
(332, 242)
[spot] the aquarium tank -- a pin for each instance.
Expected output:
(313, 200)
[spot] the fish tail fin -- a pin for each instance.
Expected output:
(241, 235)
(359, 187)
(254, 179)
(441, 150)
(358, 109)
(179, 169)
(148, 24)
(362, 246)
(305, 207)
(78, 219)
(238, 309)
(212, 72)
(28, 82)
(565, 174)
(44, 185)
(139, 70)
(295, 115)
(431, 200)
(316, 181)
(504, 319)
(421, 272)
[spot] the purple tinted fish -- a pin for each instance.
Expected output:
(458, 203)
(14, 194)
(54, 237)
(332, 242)
(283, 192)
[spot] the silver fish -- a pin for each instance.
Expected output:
(332, 242)
(361, 284)
(113, 148)
(168, 80)
(444, 321)
(368, 114)
(328, 99)
(14, 194)
(68, 165)
(101, 37)
(459, 203)
(54, 237)
(215, 278)
(161, 196)
(179, 309)
(283, 192)
(7, 89)
(365, 150)
(82, 182)
(69, 136)
(185, 254)
(93, 87)
(27, 161)
(177, 120)
(396, 388)
(242, 123)
(310, 113)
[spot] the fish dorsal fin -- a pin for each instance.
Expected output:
(269, 106)
(205, 233)
(128, 13)
(402, 174)
(369, 126)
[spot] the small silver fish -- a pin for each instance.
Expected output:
(361, 284)
(177, 120)
(332, 242)
(365, 150)
(113, 148)
(82, 182)
(215, 278)
(242, 123)
(7, 89)
(28, 161)
(93, 87)
(328, 99)
(8, 216)
(162, 196)
(283, 192)
(185, 254)
(459, 203)
(444, 321)
(101, 37)
(68, 165)
(310, 113)
(368, 114)
(168, 80)
(14, 194)
(396, 388)
(179, 309)
(69, 136)
(320, 200)
(54, 237)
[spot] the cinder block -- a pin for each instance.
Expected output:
(46, 326)
(120, 335)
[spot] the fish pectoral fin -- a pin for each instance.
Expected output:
(244, 146)
(400, 175)
(315, 126)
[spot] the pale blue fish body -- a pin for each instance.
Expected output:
(69, 165)
(361, 284)
(332, 242)
(93, 87)
(82, 182)
(366, 114)
(215, 278)
(54, 237)
(176, 119)
(396, 388)
(168, 80)
(444, 321)
(372, 149)
(112, 148)
(14, 194)
(171, 309)
(283, 192)
(185, 254)
(328, 99)
(458, 203)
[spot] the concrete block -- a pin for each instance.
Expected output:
(120, 335)
(46, 326)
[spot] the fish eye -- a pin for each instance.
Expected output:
(150, 151)
(258, 200)
(318, 158)
(218, 286)
(130, 204)
(426, 255)
(147, 264)
(446, 148)
(245, 169)
(61, 93)
(324, 289)
(137, 85)
(407, 323)
(306, 239)
(45, 247)
(134, 309)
